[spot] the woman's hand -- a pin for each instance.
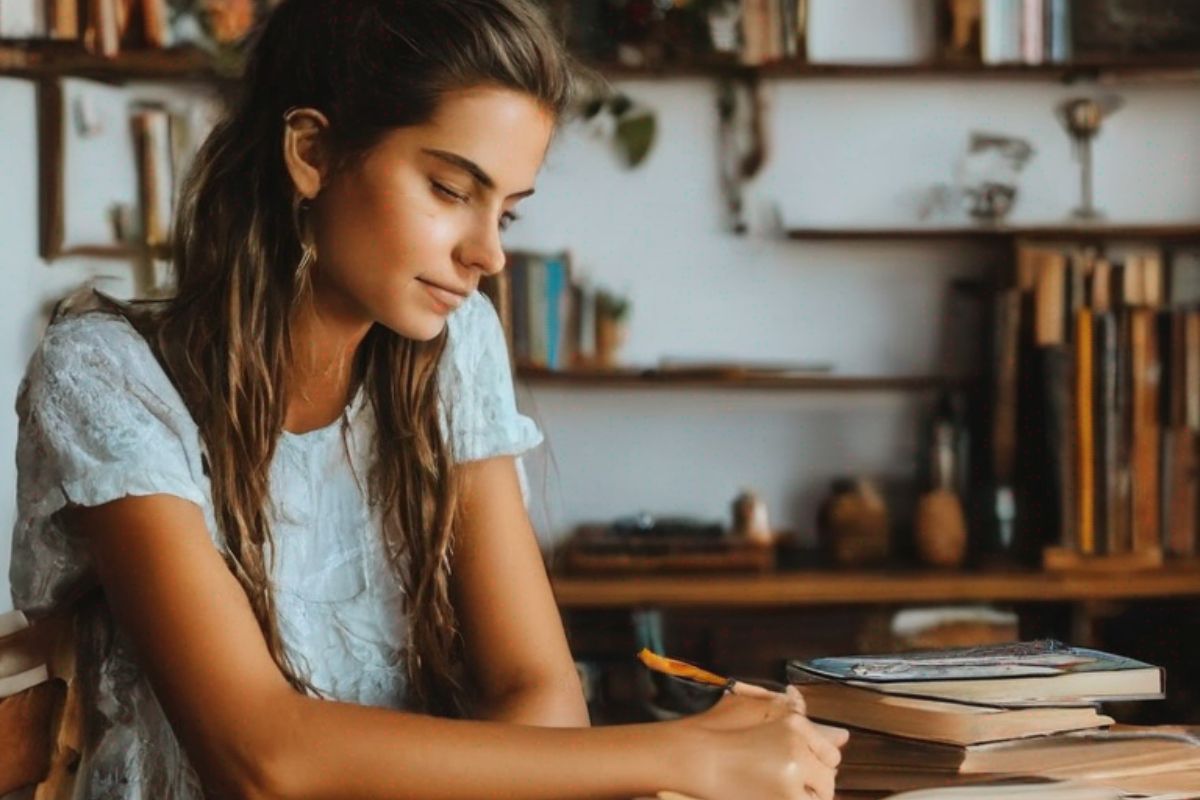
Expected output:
(761, 745)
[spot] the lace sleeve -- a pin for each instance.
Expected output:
(477, 388)
(98, 420)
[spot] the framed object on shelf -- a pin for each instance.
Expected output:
(88, 165)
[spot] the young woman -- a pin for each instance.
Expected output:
(295, 481)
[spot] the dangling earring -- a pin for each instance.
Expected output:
(308, 247)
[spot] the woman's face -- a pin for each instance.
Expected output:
(405, 233)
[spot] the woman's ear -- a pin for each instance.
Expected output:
(303, 153)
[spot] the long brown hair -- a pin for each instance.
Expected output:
(225, 338)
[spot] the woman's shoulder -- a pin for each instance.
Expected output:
(96, 358)
(93, 335)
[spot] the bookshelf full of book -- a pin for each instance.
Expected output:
(1096, 412)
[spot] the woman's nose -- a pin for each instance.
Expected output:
(483, 249)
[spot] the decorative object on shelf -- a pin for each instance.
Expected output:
(1082, 117)
(986, 179)
(218, 27)
(724, 18)
(853, 525)
(750, 519)
(89, 183)
(940, 528)
(646, 543)
(741, 108)
(632, 127)
(612, 315)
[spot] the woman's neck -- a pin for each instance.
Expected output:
(326, 335)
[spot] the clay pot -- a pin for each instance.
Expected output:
(610, 336)
(852, 525)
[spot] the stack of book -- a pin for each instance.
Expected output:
(1031, 709)
(772, 30)
(1098, 367)
(105, 27)
(1026, 31)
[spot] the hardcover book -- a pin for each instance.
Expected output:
(1043, 672)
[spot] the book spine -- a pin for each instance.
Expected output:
(155, 15)
(1121, 533)
(1005, 354)
(518, 270)
(62, 20)
(1145, 431)
(1032, 31)
(104, 32)
(1107, 427)
(1179, 503)
(535, 292)
(1058, 30)
(990, 39)
(554, 287)
(1084, 434)
(1002, 31)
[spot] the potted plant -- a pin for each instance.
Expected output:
(612, 314)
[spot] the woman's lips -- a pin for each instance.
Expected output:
(445, 297)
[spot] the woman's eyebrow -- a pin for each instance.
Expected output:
(472, 169)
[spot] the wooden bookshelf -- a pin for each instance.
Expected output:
(815, 588)
(1185, 69)
(39, 59)
(1002, 233)
(1149, 69)
(55, 60)
(672, 379)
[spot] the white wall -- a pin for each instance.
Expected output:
(30, 286)
(845, 152)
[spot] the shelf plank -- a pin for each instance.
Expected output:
(1000, 233)
(1187, 67)
(682, 379)
(35, 59)
(813, 588)
(1165, 69)
(175, 64)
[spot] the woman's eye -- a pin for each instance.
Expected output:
(506, 219)
(446, 191)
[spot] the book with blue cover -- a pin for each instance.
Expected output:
(1044, 672)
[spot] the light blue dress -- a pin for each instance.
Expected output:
(100, 420)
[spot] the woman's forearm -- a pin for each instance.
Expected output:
(325, 750)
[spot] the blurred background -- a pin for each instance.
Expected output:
(852, 325)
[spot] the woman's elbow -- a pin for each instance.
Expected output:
(259, 761)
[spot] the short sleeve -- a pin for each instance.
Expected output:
(98, 420)
(477, 388)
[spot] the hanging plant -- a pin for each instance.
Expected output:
(633, 128)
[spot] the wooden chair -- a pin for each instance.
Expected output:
(41, 727)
